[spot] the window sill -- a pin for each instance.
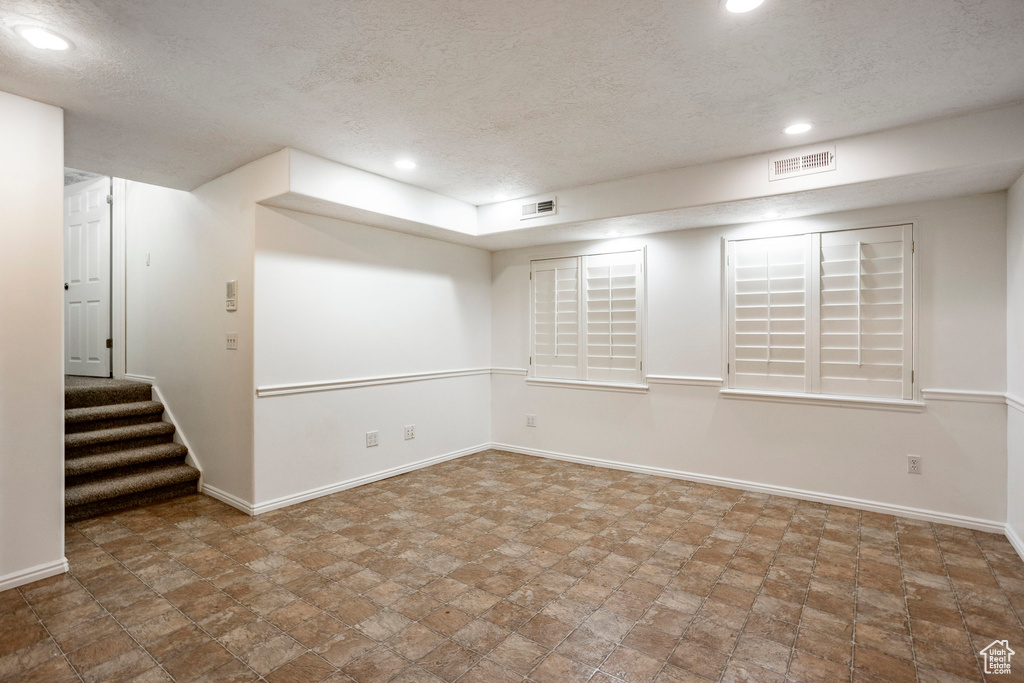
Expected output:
(825, 400)
(592, 386)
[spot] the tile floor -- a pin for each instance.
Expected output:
(500, 567)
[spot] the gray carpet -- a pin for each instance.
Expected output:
(118, 453)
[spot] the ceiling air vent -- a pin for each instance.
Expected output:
(791, 166)
(537, 209)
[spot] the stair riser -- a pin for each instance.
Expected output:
(111, 446)
(73, 469)
(86, 398)
(116, 471)
(78, 427)
(79, 512)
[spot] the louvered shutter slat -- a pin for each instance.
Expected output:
(556, 318)
(769, 314)
(865, 312)
(612, 290)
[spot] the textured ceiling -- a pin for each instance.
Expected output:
(517, 97)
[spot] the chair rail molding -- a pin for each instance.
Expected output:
(356, 383)
(962, 396)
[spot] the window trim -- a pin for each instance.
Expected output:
(640, 386)
(831, 400)
(587, 384)
(913, 404)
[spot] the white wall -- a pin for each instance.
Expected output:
(176, 320)
(848, 452)
(31, 341)
(338, 301)
(1015, 363)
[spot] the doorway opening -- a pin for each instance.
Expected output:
(93, 280)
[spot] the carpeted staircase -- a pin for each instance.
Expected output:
(118, 453)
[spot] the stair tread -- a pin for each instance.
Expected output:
(89, 464)
(123, 484)
(81, 392)
(141, 431)
(112, 411)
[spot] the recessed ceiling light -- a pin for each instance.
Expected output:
(797, 128)
(405, 164)
(500, 197)
(43, 39)
(740, 6)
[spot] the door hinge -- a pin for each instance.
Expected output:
(531, 360)
(531, 275)
(911, 376)
(110, 343)
(727, 365)
(110, 199)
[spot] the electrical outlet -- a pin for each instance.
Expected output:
(914, 464)
(531, 420)
(410, 432)
(232, 338)
(371, 439)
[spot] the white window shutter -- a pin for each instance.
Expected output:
(769, 313)
(556, 319)
(613, 299)
(866, 312)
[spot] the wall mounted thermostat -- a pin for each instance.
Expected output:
(232, 301)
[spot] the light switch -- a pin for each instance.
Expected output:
(232, 298)
(232, 341)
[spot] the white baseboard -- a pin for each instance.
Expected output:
(1015, 541)
(285, 501)
(857, 503)
(844, 501)
(36, 573)
(225, 497)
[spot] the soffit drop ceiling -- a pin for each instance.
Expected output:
(519, 97)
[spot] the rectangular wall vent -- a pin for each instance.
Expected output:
(791, 166)
(548, 207)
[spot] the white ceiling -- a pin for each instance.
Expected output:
(518, 97)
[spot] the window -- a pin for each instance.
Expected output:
(823, 313)
(586, 314)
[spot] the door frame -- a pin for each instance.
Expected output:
(118, 277)
(108, 337)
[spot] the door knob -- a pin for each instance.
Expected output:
(65, 286)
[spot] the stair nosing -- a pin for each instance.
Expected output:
(111, 411)
(169, 450)
(114, 434)
(103, 489)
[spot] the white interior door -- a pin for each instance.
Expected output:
(87, 278)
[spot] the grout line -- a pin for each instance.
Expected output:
(48, 634)
(856, 592)
(162, 595)
(596, 608)
(906, 598)
(647, 611)
(311, 514)
(827, 509)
